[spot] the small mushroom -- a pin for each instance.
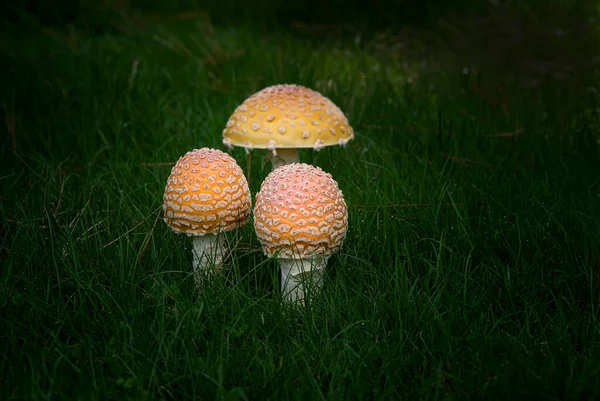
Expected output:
(285, 118)
(206, 195)
(301, 217)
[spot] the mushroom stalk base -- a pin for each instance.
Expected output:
(209, 252)
(283, 156)
(301, 277)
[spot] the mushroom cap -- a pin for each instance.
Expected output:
(206, 193)
(287, 116)
(300, 212)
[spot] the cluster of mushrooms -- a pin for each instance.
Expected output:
(300, 216)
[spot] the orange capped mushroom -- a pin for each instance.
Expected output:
(285, 118)
(301, 216)
(206, 195)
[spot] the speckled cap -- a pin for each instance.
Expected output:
(206, 193)
(287, 116)
(300, 212)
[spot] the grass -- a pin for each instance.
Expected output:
(470, 269)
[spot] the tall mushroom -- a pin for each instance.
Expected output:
(301, 216)
(285, 118)
(206, 195)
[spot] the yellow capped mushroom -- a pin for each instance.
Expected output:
(285, 118)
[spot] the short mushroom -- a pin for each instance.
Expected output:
(301, 217)
(285, 118)
(206, 195)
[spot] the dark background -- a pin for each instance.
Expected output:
(556, 38)
(372, 14)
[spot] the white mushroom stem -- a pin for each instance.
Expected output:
(283, 156)
(209, 252)
(301, 277)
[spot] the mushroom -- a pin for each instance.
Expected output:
(285, 118)
(206, 195)
(300, 217)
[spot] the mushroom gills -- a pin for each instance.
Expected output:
(209, 252)
(301, 277)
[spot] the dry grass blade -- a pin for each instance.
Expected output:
(178, 43)
(126, 29)
(62, 188)
(279, 62)
(78, 169)
(332, 29)
(374, 176)
(378, 127)
(70, 40)
(349, 106)
(78, 216)
(248, 165)
(247, 248)
(133, 74)
(149, 237)
(183, 16)
(90, 229)
(466, 114)
(84, 234)
(159, 164)
(465, 162)
(131, 229)
(11, 128)
(214, 54)
(598, 278)
(205, 28)
(395, 205)
(40, 227)
(504, 135)
(208, 56)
